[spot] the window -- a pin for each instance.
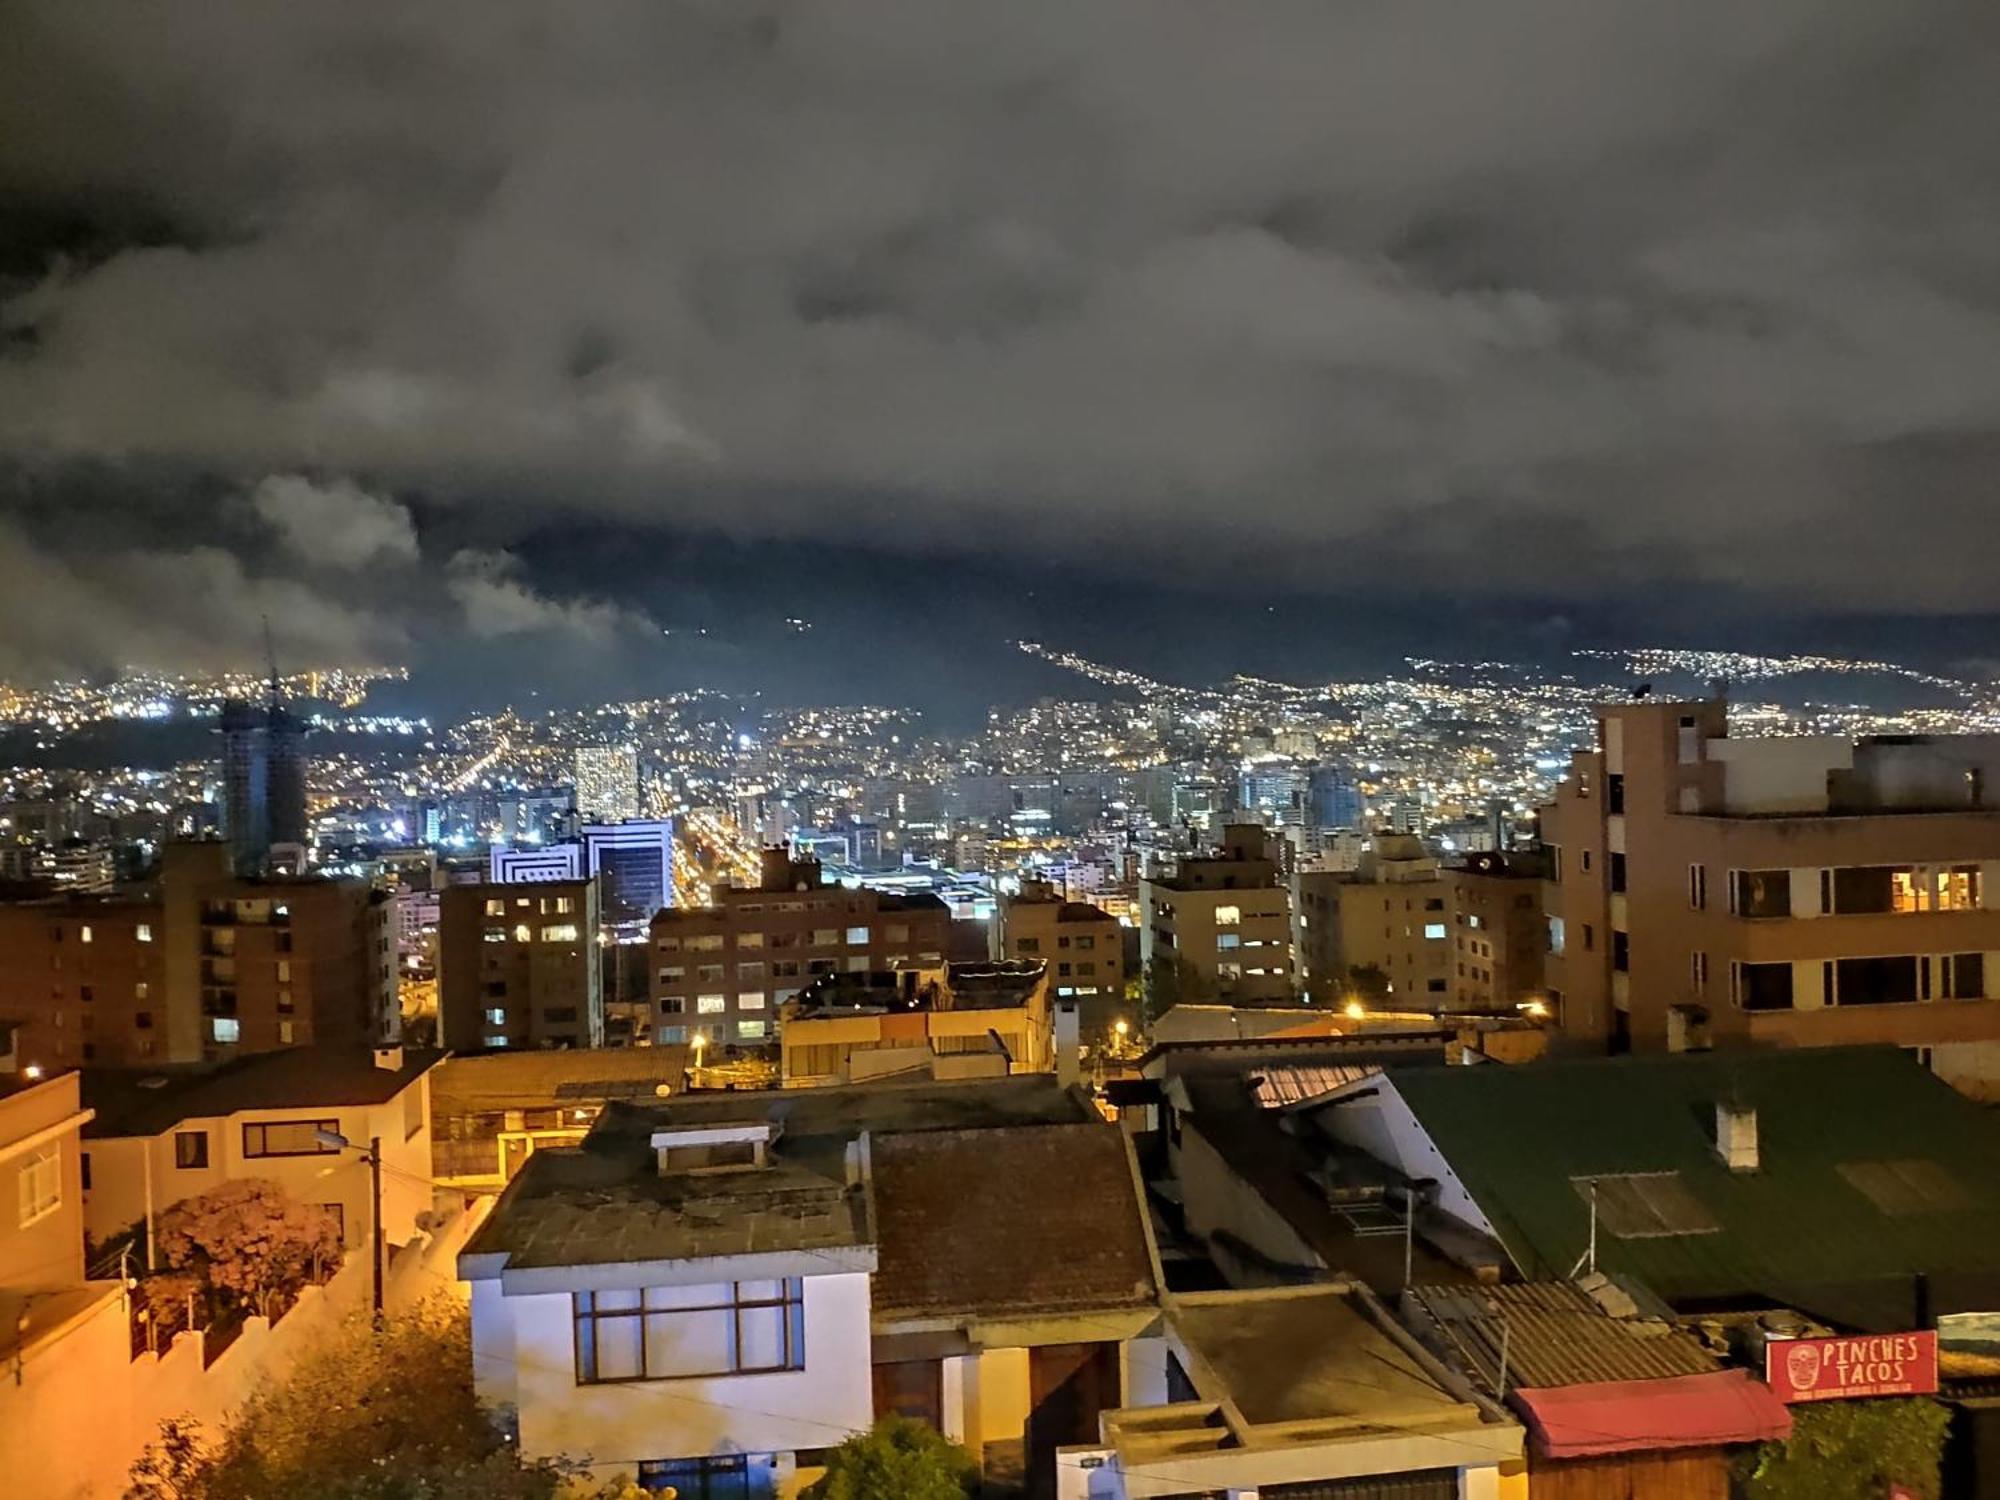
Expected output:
(41, 1183)
(1589, 938)
(1617, 872)
(708, 943)
(1614, 793)
(680, 1332)
(1558, 935)
(85, 993)
(708, 973)
(1621, 951)
(1871, 889)
(751, 1030)
(668, 944)
(560, 932)
(673, 1005)
(749, 973)
(496, 1015)
(750, 1000)
(723, 1478)
(524, 933)
(144, 932)
(142, 1020)
(1645, 1205)
(1027, 945)
(491, 1040)
(496, 934)
(673, 974)
(559, 1015)
(1963, 975)
(1698, 971)
(225, 1030)
(1764, 986)
(1228, 916)
(1227, 940)
(711, 1005)
(1228, 971)
(1434, 931)
(496, 907)
(1086, 941)
(190, 1149)
(338, 1213)
(1875, 981)
(857, 937)
(85, 935)
(1698, 887)
(562, 906)
(825, 937)
(750, 940)
(672, 1035)
(290, 1137)
(1761, 893)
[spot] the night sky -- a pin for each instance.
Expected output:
(502, 337)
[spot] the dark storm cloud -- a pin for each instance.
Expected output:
(1573, 297)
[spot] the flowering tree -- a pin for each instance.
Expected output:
(250, 1244)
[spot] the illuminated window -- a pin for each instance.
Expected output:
(85, 935)
(523, 933)
(1227, 940)
(711, 1005)
(857, 937)
(750, 1000)
(750, 1029)
(225, 1029)
(144, 932)
(750, 940)
(1434, 931)
(496, 908)
(561, 932)
(496, 1015)
(1228, 916)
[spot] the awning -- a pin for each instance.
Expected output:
(1636, 1416)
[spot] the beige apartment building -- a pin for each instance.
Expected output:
(1499, 936)
(518, 966)
(1227, 917)
(1801, 891)
(1083, 945)
(722, 972)
(1390, 916)
(204, 965)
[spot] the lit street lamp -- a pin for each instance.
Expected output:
(373, 1156)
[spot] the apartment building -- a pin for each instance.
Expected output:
(1387, 922)
(518, 966)
(1083, 945)
(723, 971)
(1225, 918)
(1499, 935)
(951, 1020)
(1800, 891)
(204, 965)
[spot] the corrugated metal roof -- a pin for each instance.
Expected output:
(1283, 1083)
(1555, 1335)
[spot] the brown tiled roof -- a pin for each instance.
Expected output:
(1011, 1222)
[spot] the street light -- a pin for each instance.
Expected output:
(334, 1140)
(1356, 1011)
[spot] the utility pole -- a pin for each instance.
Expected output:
(375, 1216)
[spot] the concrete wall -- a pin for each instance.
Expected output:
(1383, 1126)
(524, 1354)
(1216, 1199)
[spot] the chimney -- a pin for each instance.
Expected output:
(1068, 1041)
(390, 1058)
(1736, 1136)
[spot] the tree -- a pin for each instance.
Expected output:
(1171, 980)
(250, 1243)
(1850, 1450)
(897, 1459)
(372, 1414)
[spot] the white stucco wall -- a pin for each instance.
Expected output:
(1384, 1126)
(530, 1342)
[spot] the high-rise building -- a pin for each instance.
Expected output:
(1223, 919)
(632, 861)
(1793, 892)
(263, 783)
(1498, 934)
(1336, 798)
(518, 966)
(607, 782)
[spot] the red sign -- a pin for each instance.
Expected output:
(1876, 1364)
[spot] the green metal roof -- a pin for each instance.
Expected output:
(1798, 1231)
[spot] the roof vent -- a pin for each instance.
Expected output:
(1736, 1136)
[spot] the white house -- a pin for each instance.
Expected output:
(164, 1134)
(708, 1291)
